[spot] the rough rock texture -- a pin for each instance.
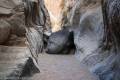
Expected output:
(4, 31)
(17, 62)
(86, 15)
(14, 61)
(110, 68)
(54, 8)
(12, 12)
(88, 38)
(37, 23)
(91, 35)
(58, 11)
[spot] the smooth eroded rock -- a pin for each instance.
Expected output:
(60, 42)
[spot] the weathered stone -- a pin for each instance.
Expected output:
(17, 23)
(109, 69)
(12, 12)
(60, 42)
(7, 6)
(14, 61)
(90, 32)
(4, 31)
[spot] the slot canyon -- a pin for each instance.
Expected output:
(59, 39)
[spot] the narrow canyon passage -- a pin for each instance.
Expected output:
(59, 39)
(61, 67)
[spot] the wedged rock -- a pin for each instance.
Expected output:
(60, 42)
(16, 62)
(4, 31)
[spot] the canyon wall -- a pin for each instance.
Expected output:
(18, 58)
(83, 17)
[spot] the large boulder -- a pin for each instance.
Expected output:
(60, 42)
(4, 31)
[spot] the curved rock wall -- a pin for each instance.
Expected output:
(16, 62)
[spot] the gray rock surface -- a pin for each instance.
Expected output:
(60, 42)
(90, 34)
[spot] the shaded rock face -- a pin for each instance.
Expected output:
(15, 62)
(89, 38)
(12, 12)
(110, 68)
(60, 42)
(29, 68)
(17, 23)
(87, 16)
(4, 31)
(90, 33)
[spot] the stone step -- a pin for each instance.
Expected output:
(13, 61)
(11, 49)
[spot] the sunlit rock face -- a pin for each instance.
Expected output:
(54, 8)
(58, 9)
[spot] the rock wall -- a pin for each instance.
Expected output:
(12, 12)
(58, 12)
(17, 62)
(86, 18)
(54, 8)
(89, 36)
